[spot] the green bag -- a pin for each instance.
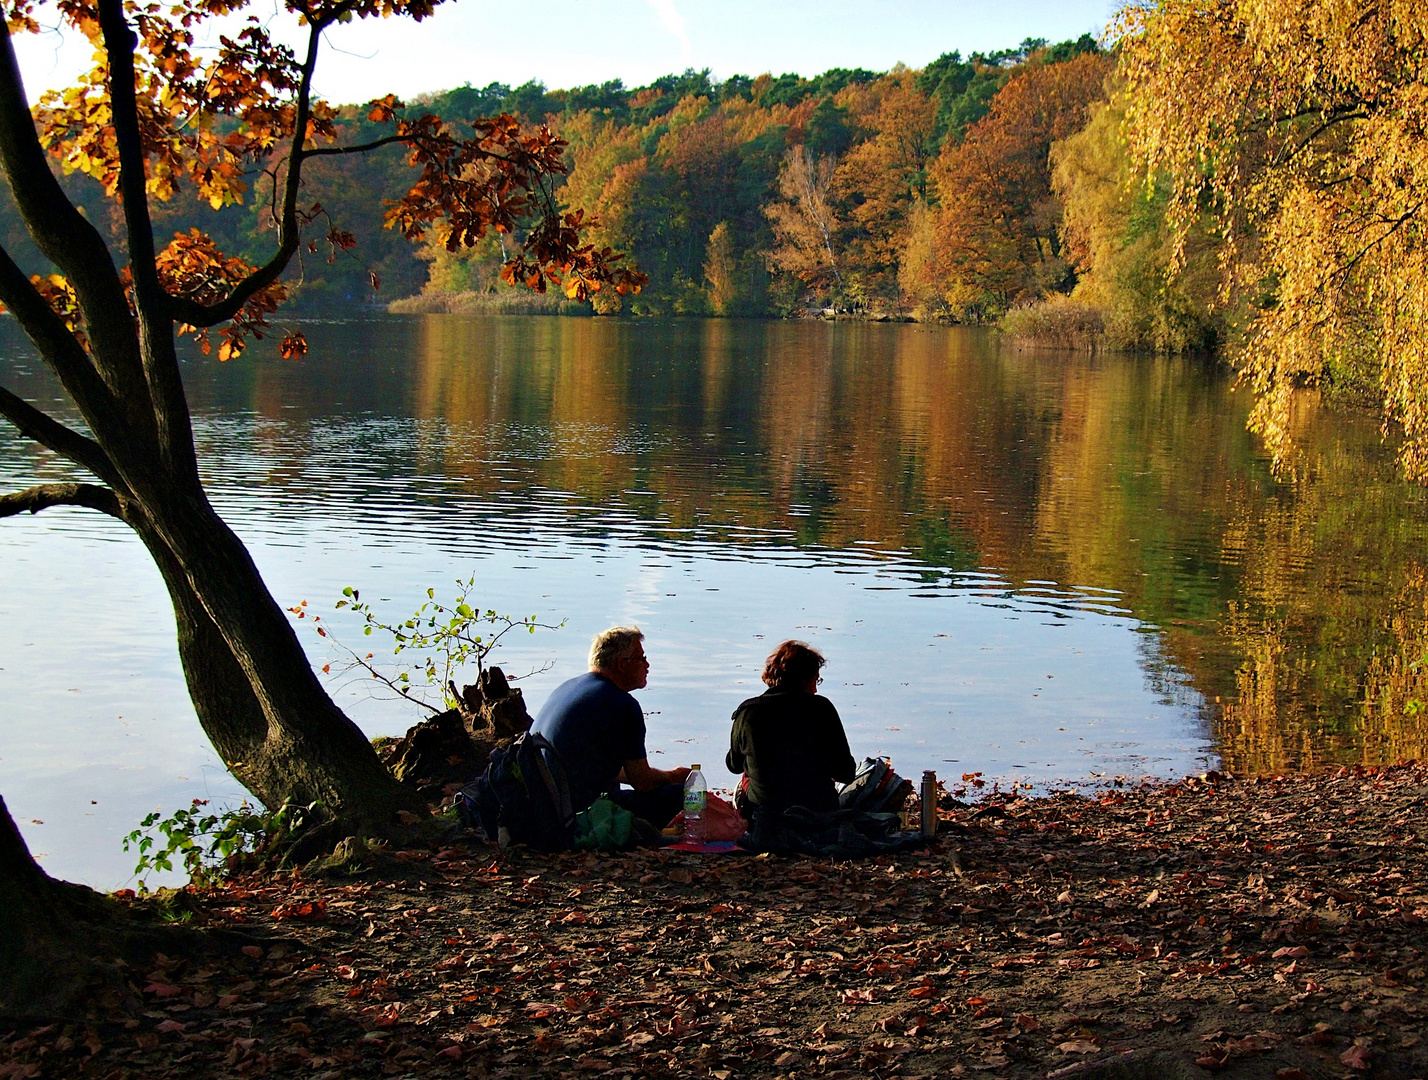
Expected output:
(604, 827)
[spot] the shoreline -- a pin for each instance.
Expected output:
(1245, 927)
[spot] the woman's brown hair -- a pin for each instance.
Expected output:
(792, 664)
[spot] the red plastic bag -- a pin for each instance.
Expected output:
(721, 820)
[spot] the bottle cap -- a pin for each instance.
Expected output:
(695, 767)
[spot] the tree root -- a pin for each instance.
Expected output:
(81, 960)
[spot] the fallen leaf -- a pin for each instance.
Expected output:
(1357, 1056)
(1078, 1046)
(389, 1015)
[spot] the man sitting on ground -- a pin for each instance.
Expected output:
(598, 728)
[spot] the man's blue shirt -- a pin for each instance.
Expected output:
(595, 727)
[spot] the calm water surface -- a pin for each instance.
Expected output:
(1045, 568)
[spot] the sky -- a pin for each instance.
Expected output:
(565, 43)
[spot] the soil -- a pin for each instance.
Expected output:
(1265, 928)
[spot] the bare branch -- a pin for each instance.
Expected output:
(50, 433)
(390, 140)
(359, 148)
(43, 496)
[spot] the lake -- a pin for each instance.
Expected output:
(1045, 568)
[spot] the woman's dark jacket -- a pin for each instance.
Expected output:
(791, 746)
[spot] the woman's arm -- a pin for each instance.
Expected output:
(738, 734)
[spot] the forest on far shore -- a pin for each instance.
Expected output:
(958, 193)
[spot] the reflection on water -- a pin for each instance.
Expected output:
(1040, 566)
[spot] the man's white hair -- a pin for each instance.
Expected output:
(613, 645)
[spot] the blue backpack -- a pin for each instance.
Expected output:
(523, 797)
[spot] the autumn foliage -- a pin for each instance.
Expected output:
(1298, 130)
(238, 127)
(850, 190)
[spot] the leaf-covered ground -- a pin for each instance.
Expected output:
(1254, 928)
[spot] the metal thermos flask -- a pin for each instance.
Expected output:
(929, 803)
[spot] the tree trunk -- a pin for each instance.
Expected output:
(42, 949)
(253, 687)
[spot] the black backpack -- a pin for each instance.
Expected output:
(523, 797)
(875, 788)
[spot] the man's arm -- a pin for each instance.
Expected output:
(640, 776)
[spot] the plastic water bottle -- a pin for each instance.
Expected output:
(696, 797)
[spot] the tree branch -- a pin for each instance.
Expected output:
(360, 148)
(157, 355)
(51, 434)
(389, 140)
(59, 347)
(69, 241)
(289, 228)
(43, 496)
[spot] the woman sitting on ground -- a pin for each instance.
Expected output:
(788, 742)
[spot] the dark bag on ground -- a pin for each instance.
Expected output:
(875, 789)
(836, 834)
(523, 797)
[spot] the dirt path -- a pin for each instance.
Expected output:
(1265, 928)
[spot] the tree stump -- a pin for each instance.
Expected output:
(450, 749)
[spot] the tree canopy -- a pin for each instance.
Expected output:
(1299, 129)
